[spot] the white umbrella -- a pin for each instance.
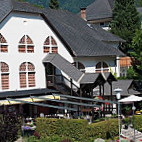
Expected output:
(131, 99)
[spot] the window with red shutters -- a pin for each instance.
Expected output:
(4, 76)
(50, 45)
(3, 44)
(26, 45)
(27, 75)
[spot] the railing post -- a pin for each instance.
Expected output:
(71, 86)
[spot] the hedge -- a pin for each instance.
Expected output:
(105, 129)
(138, 122)
(77, 130)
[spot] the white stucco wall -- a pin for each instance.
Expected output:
(90, 63)
(13, 28)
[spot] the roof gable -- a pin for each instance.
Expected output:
(80, 39)
(99, 9)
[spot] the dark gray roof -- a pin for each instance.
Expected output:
(80, 39)
(89, 78)
(99, 9)
(102, 9)
(62, 64)
(104, 35)
(24, 93)
(123, 84)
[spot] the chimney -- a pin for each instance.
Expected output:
(83, 13)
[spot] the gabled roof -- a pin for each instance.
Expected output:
(82, 78)
(99, 9)
(62, 64)
(102, 9)
(123, 84)
(79, 38)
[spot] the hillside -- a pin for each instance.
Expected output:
(70, 5)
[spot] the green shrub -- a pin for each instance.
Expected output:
(77, 130)
(105, 129)
(138, 122)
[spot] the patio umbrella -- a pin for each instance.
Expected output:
(131, 99)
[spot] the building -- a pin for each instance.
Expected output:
(48, 51)
(100, 13)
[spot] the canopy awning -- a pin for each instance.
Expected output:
(28, 99)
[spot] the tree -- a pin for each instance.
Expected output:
(139, 3)
(136, 53)
(54, 4)
(9, 127)
(126, 21)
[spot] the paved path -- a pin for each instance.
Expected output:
(19, 140)
(129, 133)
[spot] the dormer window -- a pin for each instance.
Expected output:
(102, 67)
(3, 44)
(26, 45)
(50, 45)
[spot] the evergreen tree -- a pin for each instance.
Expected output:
(54, 4)
(126, 21)
(139, 3)
(136, 53)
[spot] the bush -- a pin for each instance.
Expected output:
(138, 122)
(73, 128)
(10, 126)
(77, 130)
(105, 129)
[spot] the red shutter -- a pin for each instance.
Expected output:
(31, 79)
(5, 81)
(54, 50)
(23, 80)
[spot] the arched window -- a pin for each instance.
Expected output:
(3, 44)
(102, 67)
(79, 65)
(27, 75)
(50, 45)
(4, 70)
(26, 45)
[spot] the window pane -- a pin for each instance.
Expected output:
(31, 67)
(105, 65)
(29, 41)
(2, 39)
(5, 81)
(23, 67)
(98, 66)
(54, 50)
(4, 48)
(47, 41)
(22, 48)
(80, 66)
(4, 67)
(46, 49)
(31, 79)
(53, 42)
(30, 48)
(22, 40)
(23, 80)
